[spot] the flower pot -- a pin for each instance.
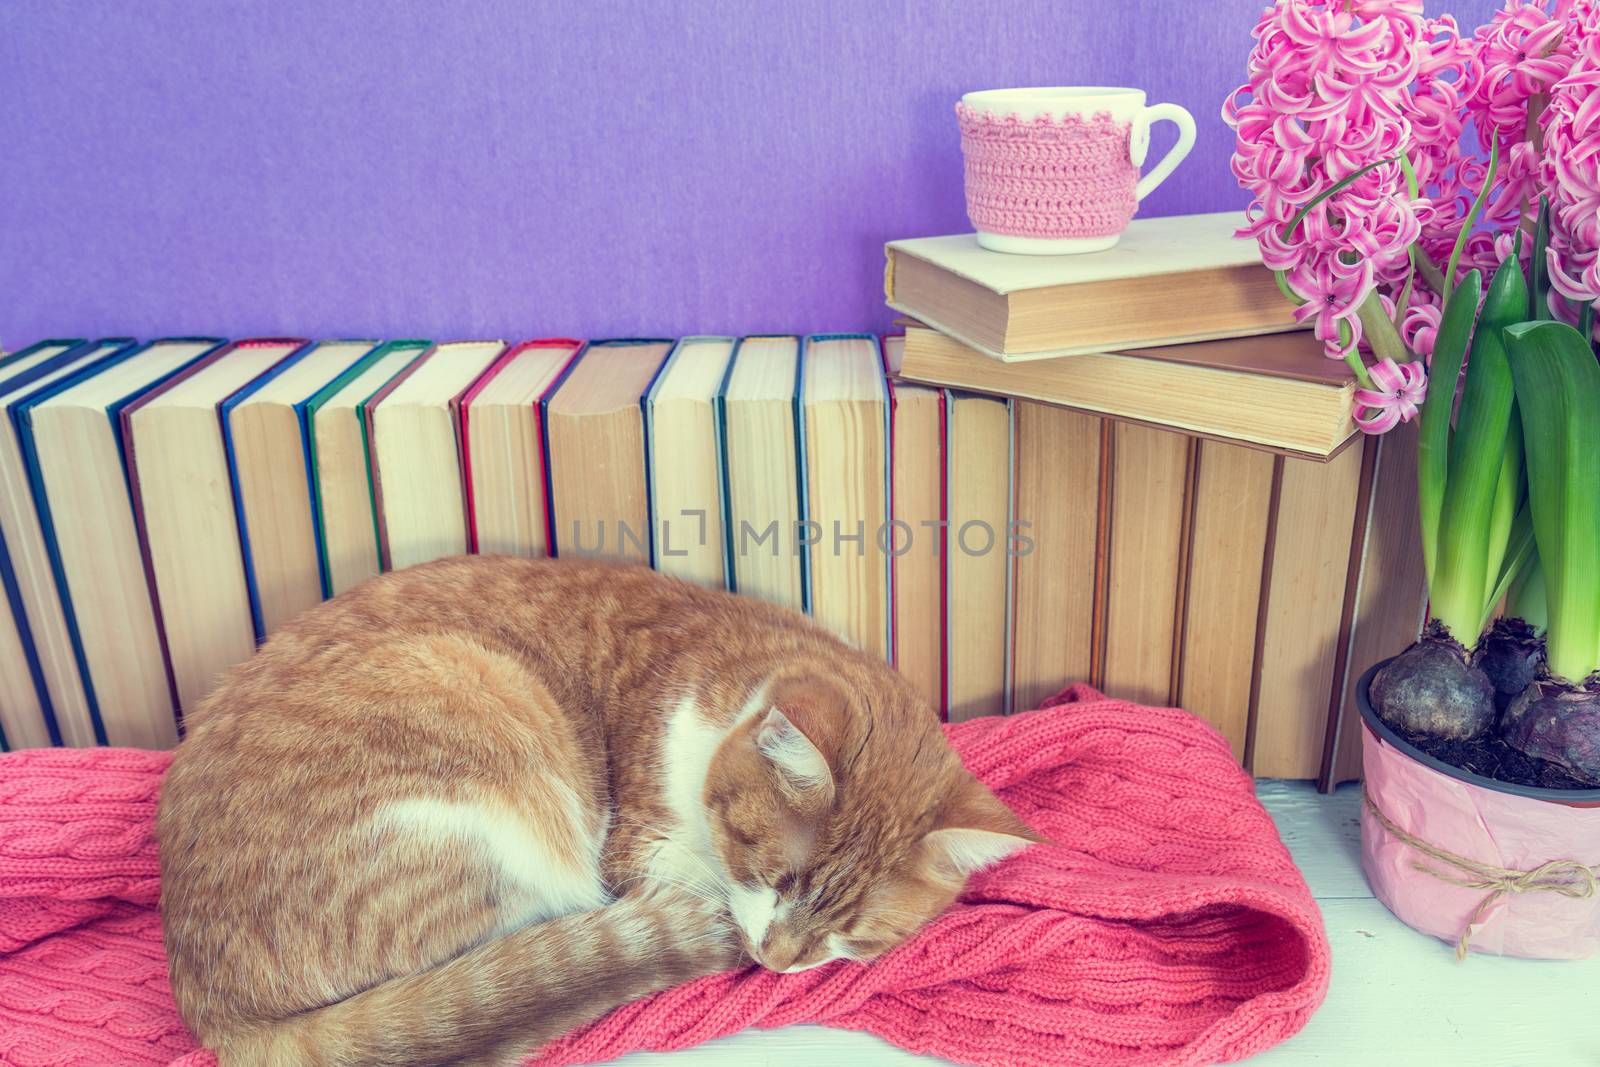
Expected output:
(1485, 865)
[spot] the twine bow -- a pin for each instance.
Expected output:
(1567, 877)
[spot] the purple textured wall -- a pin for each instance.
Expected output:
(525, 167)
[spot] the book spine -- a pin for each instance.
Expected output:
(944, 554)
(719, 411)
(66, 344)
(802, 475)
(890, 411)
(947, 412)
(1005, 545)
(886, 530)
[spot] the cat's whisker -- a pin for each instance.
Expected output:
(665, 840)
(654, 877)
(639, 861)
(695, 857)
(714, 898)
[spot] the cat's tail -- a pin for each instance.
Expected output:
(499, 1001)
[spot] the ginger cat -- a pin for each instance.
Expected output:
(466, 807)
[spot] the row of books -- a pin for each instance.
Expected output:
(1066, 468)
(166, 506)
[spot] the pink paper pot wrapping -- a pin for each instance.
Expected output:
(1486, 823)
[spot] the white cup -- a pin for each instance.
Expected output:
(1059, 103)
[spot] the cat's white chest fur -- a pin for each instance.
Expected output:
(688, 855)
(686, 756)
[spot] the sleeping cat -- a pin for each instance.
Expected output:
(466, 807)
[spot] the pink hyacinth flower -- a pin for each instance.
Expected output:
(1570, 171)
(1420, 327)
(1400, 391)
(1335, 86)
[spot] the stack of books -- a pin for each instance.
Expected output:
(1178, 325)
(1180, 458)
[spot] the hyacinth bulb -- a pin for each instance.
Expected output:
(1560, 723)
(1510, 654)
(1433, 689)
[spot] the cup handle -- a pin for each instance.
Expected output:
(1140, 144)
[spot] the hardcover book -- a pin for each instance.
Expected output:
(1167, 281)
(917, 502)
(184, 509)
(979, 555)
(1278, 392)
(266, 428)
(502, 449)
(343, 513)
(844, 500)
(594, 436)
(44, 701)
(70, 433)
(757, 406)
(414, 433)
(1058, 457)
(685, 471)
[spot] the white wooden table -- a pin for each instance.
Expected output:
(1397, 997)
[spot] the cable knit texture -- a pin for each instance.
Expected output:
(1049, 177)
(1165, 924)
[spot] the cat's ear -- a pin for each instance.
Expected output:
(802, 768)
(975, 831)
(799, 734)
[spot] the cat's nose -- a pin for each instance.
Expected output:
(778, 960)
(779, 952)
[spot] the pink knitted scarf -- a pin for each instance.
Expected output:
(1166, 924)
(1049, 177)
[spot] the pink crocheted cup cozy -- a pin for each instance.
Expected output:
(1049, 177)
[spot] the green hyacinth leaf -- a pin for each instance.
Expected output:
(1433, 440)
(1558, 393)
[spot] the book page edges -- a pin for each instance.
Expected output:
(1305, 447)
(1181, 235)
(1110, 348)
